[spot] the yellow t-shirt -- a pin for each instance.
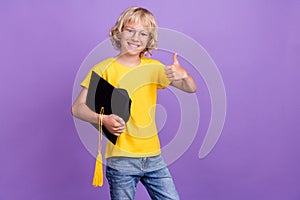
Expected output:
(140, 138)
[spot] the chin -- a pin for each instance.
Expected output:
(133, 52)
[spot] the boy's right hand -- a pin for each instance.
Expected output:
(114, 124)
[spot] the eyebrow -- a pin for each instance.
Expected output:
(128, 26)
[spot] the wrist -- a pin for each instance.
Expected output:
(185, 76)
(99, 118)
(103, 118)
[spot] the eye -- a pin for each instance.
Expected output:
(144, 34)
(129, 30)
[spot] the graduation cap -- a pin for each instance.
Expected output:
(105, 99)
(114, 101)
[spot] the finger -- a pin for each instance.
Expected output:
(114, 132)
(118, 131)
(173, 74)
(117, 126)
(171, 78)
(117, 134)
(121, 128)
(119, 120)
(169, 69)
(175, 60)
(170, 75)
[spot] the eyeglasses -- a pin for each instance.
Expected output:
(130, 32)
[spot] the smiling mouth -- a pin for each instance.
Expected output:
(133, 45)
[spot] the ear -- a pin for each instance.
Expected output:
(118, 35)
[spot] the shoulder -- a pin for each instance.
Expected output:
(101, 66)
(104, 63)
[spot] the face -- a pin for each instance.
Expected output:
(134, 38)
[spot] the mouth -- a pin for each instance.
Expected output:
(133, 45)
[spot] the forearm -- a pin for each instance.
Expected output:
(186, 84)
(83, 112)
(114, 124)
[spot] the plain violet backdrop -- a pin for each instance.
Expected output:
(256, 46)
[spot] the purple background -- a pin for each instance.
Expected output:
(255, 45)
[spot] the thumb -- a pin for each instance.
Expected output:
(175, 60)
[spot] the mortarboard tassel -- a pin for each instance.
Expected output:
(98, 173)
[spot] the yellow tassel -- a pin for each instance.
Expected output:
(98, 173)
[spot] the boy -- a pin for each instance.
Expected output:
(136, 155)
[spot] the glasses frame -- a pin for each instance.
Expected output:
(130, 32)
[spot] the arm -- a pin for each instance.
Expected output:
(80, 110)
(185, 84)
(179, 77)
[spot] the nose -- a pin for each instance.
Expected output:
(135, 36)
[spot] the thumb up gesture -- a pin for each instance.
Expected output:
(175, 72)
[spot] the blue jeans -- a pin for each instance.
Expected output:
(124, 173)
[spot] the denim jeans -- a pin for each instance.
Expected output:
(124, 173)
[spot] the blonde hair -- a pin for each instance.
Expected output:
(135, 15)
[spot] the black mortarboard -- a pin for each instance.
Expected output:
(114, 100)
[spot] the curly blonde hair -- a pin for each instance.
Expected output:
(134, 15)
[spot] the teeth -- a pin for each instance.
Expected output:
(133, 45)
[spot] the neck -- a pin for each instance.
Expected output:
(129, 60)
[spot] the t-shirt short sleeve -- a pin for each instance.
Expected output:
(99, 69)
(86, 81)
(162, 78)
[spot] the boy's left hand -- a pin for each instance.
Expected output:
(175, 72)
